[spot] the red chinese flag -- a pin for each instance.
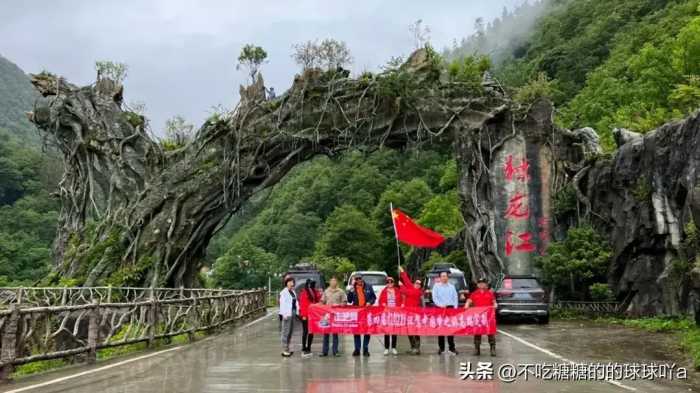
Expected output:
(413, 234)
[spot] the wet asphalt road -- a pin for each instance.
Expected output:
(248, 360)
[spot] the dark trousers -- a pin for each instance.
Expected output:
(414, 341)
(326, 340)
(365, 342)
(306, 337)
(492, 339)
(390, 340)
(450, 340)
(450, 343)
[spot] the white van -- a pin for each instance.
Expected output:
(374, 278)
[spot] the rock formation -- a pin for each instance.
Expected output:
(135, 213)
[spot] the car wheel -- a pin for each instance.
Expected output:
(543, 320)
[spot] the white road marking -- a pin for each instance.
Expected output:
(559, 357)
(110, 366)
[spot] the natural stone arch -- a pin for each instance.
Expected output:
(132, 210)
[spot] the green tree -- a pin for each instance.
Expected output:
(572, 265)
(178, 132)
(111, 70)
(409, 196)
(349, 233)
(245, 266)
(251, 58)
(441, 213)
(28, 215)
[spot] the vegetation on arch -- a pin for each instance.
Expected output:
(251, 58)
(155, 209)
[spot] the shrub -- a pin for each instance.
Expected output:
(600, 292)
(572, 265)
(539, 87)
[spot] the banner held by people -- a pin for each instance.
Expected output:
(414, 321)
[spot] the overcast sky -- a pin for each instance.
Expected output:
(182, 54)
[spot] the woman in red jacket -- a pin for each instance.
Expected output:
(390, 297)
(307, 297)
(413, 297)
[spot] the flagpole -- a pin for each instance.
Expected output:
(396, 235)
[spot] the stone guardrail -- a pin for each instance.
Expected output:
(77, 324)
(589, 307)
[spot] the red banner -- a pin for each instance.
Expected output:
(404, 321)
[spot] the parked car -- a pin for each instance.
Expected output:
(376, 279)
(522, 296)
(303, 272)
(456, 278)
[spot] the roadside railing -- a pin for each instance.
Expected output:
(77, 322)
(66, 296)
(597, 308)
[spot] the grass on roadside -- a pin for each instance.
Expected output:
(684, 328)
(102, 354)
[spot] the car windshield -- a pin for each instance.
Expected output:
(301, 278)
(520, 283)
(457, 281)
(374, 279)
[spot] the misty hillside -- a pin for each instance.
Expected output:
(28, 176)
(16, 97)
(633, 64)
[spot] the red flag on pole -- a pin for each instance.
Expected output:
(411, 233)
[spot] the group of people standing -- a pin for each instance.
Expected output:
(408, 294)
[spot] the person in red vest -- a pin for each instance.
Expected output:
(307, 297)
(390, 297)
(483, 297)
(413, 297)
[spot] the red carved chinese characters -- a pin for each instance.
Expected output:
(515, 209)
(524, 245)
(519, 172)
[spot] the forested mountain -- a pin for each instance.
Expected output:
(631, 64)
(27, 176)
(16, 97)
